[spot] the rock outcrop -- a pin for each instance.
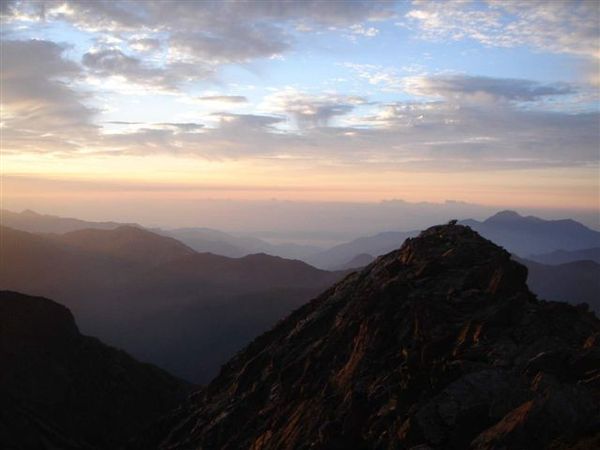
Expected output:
(62, 390)
(438, 345)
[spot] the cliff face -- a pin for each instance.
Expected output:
(62, 390)
(436, 345)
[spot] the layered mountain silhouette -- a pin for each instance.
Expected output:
(565, 256)
(62, 390)
(155, 297)
(531, 235)
(358, 262)
(220, 243)
(438, 345)
(203, 240)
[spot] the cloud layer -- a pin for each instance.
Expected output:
(557, 25)
(412, 119)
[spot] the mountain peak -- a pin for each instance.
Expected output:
(504, 216)
(30, 213)
(438, 344)
(445, 250)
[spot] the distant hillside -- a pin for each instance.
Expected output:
(359, 261)
(565, 256)
(575, 282)
(220, 243)
(128, 243)
(63, 390)
(376, 245)
(42, 223)
(155, 297)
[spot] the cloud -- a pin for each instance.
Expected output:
(311, 111)
(233, 99)
(40, 108)
(246, 121)
(234, 136)
(215, 32)
(561, 26)
(438, 136)
(6, 7)
(456, 122)
(360, 30)
(113, 62)
(44, 113)
(240, 46)
(145, 44)
(388, 79)
(478, 87)
(184, 127)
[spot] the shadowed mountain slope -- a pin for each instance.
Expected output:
(63, 390)
(132, 244)
(577, 282)
(439, 344)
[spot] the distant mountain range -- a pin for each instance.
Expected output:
(203, 240)
(525, 236)
(528, 237)
(155, 297)
(220, 243)
(438, 345)
(63, 390)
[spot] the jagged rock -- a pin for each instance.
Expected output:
(438, 345)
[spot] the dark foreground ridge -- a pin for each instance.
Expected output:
(438, 345)
(62, 390)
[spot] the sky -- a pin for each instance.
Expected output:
(113, 107)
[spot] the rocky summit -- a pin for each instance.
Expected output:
(438, 345)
